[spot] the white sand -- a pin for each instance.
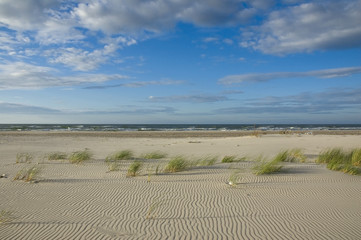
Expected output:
(305, 201)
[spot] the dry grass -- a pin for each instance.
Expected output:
(6, 217)
(24, 158)
(28, 174)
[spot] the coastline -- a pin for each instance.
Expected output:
(176, 134)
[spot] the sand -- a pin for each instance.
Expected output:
(304, 201)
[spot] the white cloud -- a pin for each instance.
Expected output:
(20, 75)
(134, 16)
(263, 77)
(189, 98)
(326, 102)
(25, 15)
(307, 27)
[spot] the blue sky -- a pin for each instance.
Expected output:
(180, 61)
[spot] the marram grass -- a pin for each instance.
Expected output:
(24, 158)
(232, 158)
(338, 159)
(28, 174)
(177, 164)
(57, 156)
(121, 155)
(6, 217)
(134, 169)
(154, 155)
(80, 156)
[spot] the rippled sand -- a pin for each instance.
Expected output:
(305, 201)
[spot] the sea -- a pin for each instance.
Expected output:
(177, 127)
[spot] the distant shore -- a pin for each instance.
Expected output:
(175, 134)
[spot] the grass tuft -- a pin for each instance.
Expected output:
(134, 169)
(234, 178)
(206, 161)
(24, 158)
(80, 156)
(57, 156)
(113, 166)
(232, 158)
(121, 155)
(28, 174)
(6, 217)
(356, 157)
(266, 167)
(177, 164)
(154, 155)
(338, 159)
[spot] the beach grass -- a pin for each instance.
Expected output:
(134, 169)
(234, 178)
(206, 161)
(24, 158)
(80, 156)
(113, 166)
(28, 174)
(57, 156)
(232, 158)
(6, 217)
(356, 157)
(267, 167)
(154, 155)
(154, 206)
(177, 164)
(338, 159)
(121, 155)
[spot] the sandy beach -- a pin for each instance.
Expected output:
(87, 201)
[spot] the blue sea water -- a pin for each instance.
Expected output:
(176, 127)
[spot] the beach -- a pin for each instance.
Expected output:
(87, 201)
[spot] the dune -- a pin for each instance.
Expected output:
(87, 201)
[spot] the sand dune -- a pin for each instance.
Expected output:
(304, 201)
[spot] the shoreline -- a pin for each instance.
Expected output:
(174, 134)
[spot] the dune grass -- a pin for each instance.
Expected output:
(24, 158)
(6, 217)
(155, 204)
(154, 155)
(80, 156)
(294, 155)
(338, 159)
(134, 169)
(113, 166)
(177, 164)
(234, 178)
(57, 156)
(232, 158)
(267, 167)
(121, 155)
(205, 161)
(28, 174)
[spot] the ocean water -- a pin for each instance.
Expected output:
(176, 127)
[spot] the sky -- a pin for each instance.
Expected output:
(180, 61)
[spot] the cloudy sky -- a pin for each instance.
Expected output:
(180, 61)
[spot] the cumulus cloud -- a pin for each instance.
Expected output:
(329, 101)
(306, 27)
(132, 16)
(263, 77)
(20, 75)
